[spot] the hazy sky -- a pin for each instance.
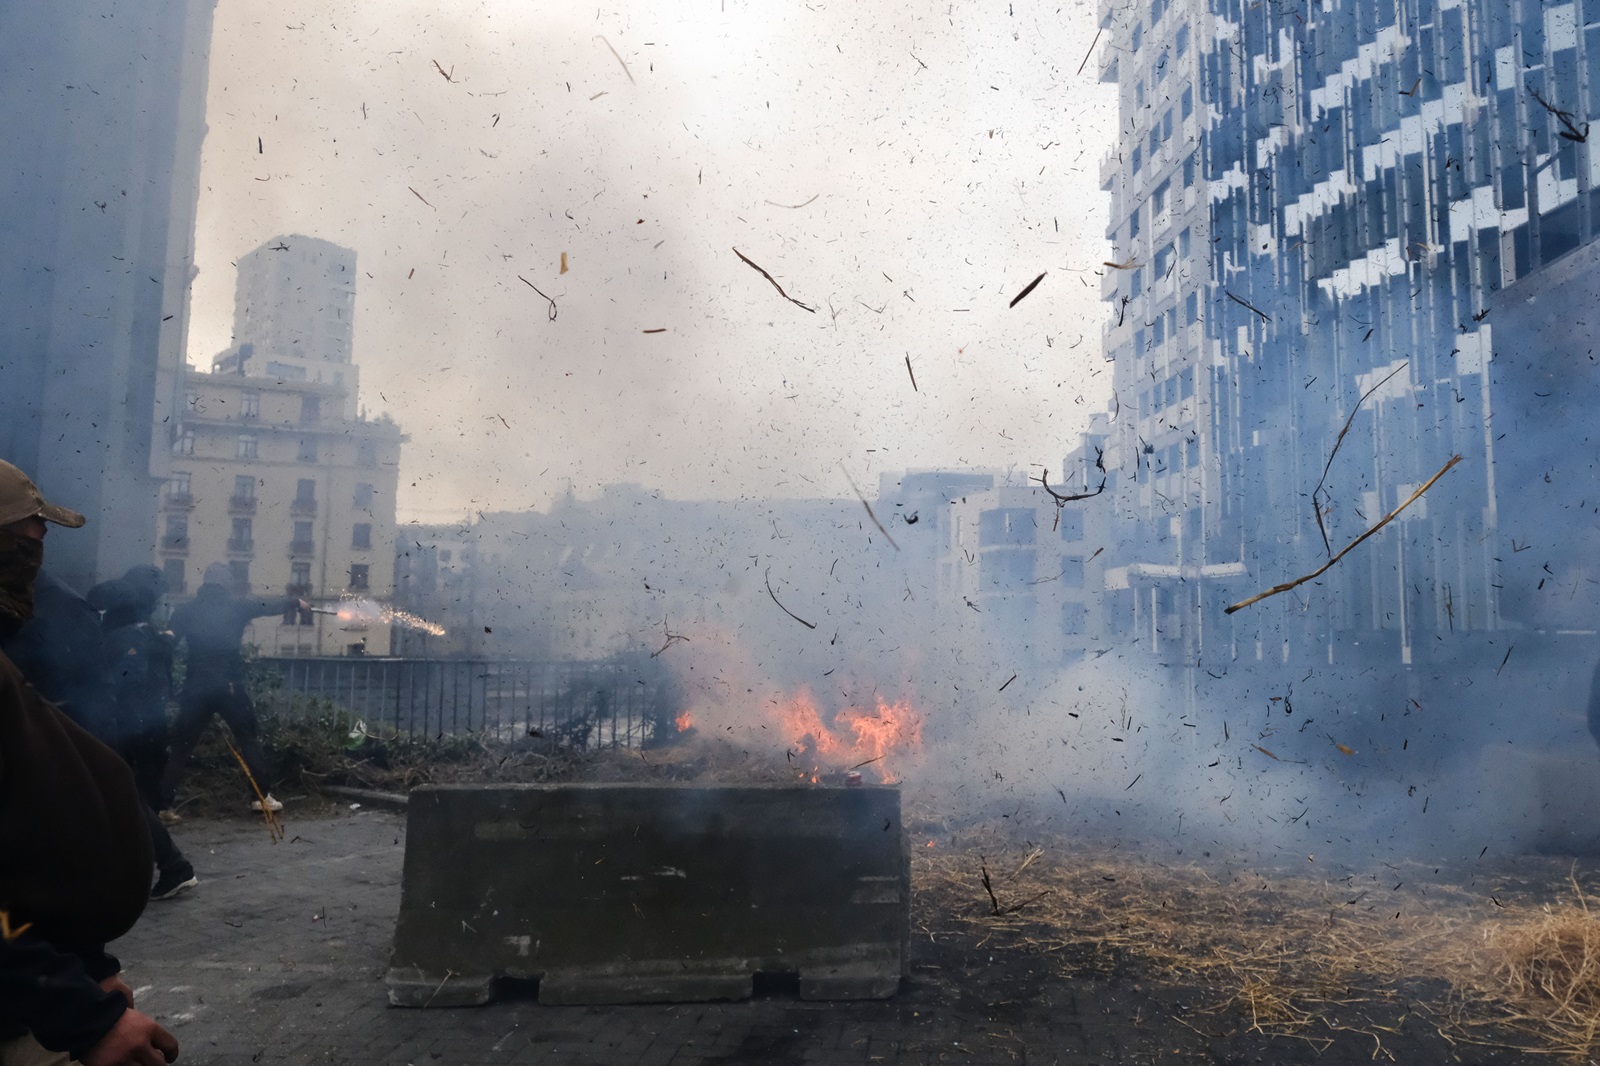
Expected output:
(945, 154)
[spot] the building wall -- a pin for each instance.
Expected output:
(1306, 201)
(296, 298)
(246, 454)
(98, 189)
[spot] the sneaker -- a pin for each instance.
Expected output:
(175, 882)
(169, 816)
(271, 804)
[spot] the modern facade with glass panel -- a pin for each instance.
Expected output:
(1326, 219)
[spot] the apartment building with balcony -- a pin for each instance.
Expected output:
(276, 473)
(1324, 216)
(1031, 558)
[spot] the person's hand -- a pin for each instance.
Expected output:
(136, 1040)
(115, 983)
(304, 605)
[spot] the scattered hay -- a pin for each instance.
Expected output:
(1287, 955)
(1534, 970)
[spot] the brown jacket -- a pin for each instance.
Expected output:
(75, 861)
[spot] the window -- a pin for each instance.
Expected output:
(307, 451)
(1074, 618)
(366, 454)
(1071, 524)
(176, 535)
(250, 404)
(358, 575)
(246, 446)
(183, 443)
(300, 542)
(1006, 525)
(363, 495)
(1165, 259)
(300, 586)
(172, 570)
(240, 569)
(1181, 41)
(240, 540)
(1006, 569)
(1186, 105)
(310, 410)
(178, 489)
(1072, 572)
(1158, 201)
(361, 536)
(305, 490)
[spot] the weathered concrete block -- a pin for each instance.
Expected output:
(650, 893)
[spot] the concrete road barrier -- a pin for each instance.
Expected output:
(632, 893)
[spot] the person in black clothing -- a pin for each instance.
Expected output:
(212, 625)
(76, 873)
(137, 661)
(58, 651)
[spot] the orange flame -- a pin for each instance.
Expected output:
(684, 721)
(856, 736)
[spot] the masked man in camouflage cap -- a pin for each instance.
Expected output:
(77, 869)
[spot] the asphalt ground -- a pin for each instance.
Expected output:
(278, 957)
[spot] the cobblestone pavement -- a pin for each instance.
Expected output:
(278, 957)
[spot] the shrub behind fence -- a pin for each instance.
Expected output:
(620, 702)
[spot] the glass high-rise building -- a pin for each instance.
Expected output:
(1318, 202)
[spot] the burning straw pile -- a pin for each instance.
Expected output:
(1282, 954)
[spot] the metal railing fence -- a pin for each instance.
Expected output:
(578, 704)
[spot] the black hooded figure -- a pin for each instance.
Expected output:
(212, 627)
(136, 663)
(138, 667)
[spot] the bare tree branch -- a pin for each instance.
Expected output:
(1325, 567)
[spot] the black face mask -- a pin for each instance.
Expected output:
(20, 560)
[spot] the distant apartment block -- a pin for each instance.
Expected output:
(1312, 204)
(1030, 559)
(279, 476)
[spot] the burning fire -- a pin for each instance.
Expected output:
(684, 721)
(856, 737)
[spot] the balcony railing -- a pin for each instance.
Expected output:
(180, 501)
(242, 504)
(241, 545)
(175, 542)
(302, 547)
(302, 591)
(303, 506)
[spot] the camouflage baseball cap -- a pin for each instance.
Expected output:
(20, 499)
